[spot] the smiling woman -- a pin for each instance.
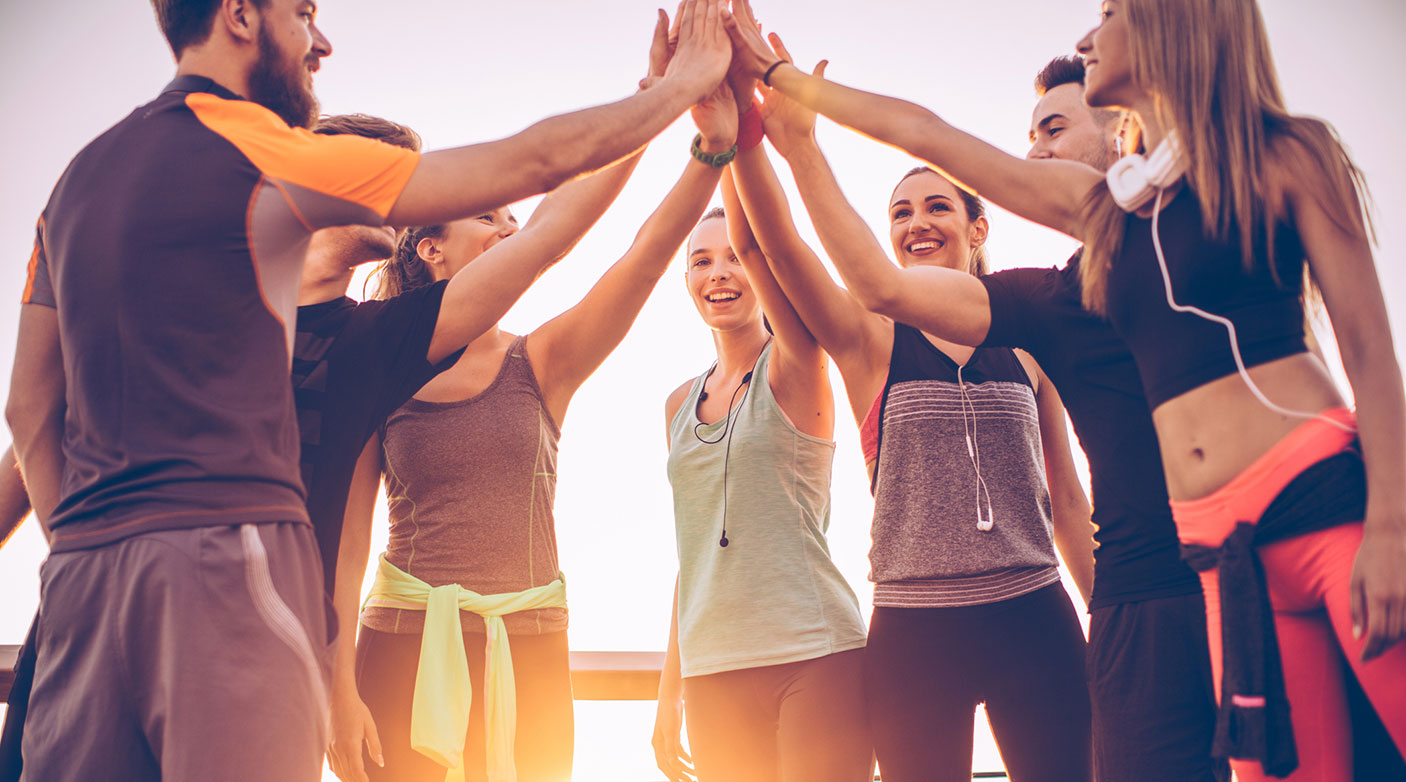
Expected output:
(461, 72)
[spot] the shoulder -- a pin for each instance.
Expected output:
(676, 399)
(1032, 369)
(357, 169)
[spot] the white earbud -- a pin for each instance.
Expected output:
(1134, 180)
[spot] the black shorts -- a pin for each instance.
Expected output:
(1150, 686)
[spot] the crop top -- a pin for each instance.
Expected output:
(1178, 351)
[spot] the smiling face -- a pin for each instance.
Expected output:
(928, 224)
(1108, 65)
(1063, 127)
(717, 283)
(464, 240)
(291, 49)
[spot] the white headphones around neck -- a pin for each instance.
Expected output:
(1134, 180)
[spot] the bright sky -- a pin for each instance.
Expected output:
(462, 72)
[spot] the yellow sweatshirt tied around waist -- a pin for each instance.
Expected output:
(439, 716)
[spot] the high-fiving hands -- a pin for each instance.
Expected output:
(750, 53)
(703, 52)
(788, 123)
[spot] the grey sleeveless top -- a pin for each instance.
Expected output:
(958, 447)
(471, 486)
(772, 595)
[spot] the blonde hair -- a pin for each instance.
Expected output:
(1218, 89)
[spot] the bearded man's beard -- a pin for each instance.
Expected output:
(280, 89)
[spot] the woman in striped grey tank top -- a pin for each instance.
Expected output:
(470, 473)
(766, 642)
(968, 604)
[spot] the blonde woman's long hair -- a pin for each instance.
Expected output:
(1208, 66)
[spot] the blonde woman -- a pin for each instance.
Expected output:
(1264, 462)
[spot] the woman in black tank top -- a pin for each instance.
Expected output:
(968, 604)
(1257, 445)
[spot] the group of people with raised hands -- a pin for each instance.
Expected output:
(203, 510)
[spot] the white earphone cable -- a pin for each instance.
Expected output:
(1229, 327)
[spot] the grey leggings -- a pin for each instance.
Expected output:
(781, 723)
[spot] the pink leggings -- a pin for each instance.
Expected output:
(1307, 578)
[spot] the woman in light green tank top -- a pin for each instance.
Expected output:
(766, 639)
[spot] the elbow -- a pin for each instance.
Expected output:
(877, 297)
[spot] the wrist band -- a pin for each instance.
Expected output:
(766, 77)
(716, 161)
(749, 128)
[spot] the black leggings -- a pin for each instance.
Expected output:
(385, 677)
(796, 722)
(926, 669)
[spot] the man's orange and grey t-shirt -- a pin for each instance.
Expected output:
(172, 248)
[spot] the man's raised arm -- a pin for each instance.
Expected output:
(452, 183)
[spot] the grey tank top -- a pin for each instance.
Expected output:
(773, 595)
(958, 446)
(471, 486)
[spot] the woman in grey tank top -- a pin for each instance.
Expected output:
(968, 604)
(766, 641)
(470, 472)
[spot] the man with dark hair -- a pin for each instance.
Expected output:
(1148, 666)
(182, 609)
(1065, 127)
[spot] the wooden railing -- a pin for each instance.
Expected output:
(595, 676)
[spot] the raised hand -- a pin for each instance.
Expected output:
(716, 118)
(750, 54)
(704, 52)
(788, 123)
(661, 50)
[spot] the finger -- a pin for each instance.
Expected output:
(1377, 641)
(674, 28)
(659, 45)
(747, 13)
(1357, 606)
(779, 47)
(688, 20)
(373, 744)
(712, 21)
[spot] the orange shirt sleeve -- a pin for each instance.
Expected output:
(359, 170)
(38, 288)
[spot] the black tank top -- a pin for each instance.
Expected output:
(1176, 352)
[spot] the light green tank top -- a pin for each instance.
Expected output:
(773, 595)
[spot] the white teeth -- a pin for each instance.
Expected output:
(722, 296)
(917, 246)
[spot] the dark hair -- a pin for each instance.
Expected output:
(186, 23)
(1064, 69)
(716, 211)
(367, 126)
(406, 270)
(980, 260)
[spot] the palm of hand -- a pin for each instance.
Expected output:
(786, 121)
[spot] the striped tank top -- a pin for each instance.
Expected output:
(961, 506)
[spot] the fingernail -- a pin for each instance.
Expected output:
(1357, 632)
(381, 761)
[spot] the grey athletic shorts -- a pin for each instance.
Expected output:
(182, 655)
